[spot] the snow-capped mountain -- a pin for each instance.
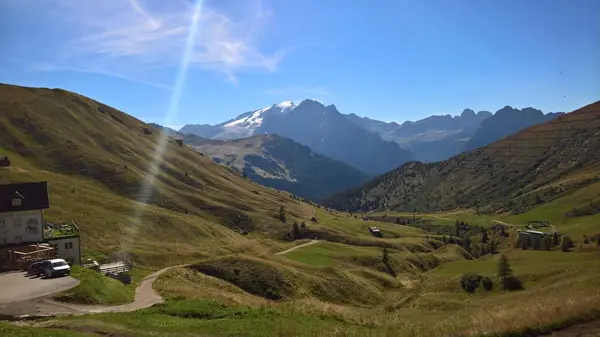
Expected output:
(323, 128)
(245, 125)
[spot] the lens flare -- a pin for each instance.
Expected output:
(157, 157)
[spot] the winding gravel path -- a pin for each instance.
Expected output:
(145, 297)
(298, 246)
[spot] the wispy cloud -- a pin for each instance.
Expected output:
(93, 70)
(131, 38)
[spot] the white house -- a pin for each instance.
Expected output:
(67, 248)
(21, 215)
(22, 228)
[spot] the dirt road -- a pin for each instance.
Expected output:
(299, 246)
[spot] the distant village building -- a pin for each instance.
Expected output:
(4, 161)
(24, 235)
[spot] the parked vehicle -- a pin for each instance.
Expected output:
(36, 268)
(56, 267)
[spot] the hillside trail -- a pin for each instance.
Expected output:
(439, 217)
(503, 223)
(145, 297)
(299, 246)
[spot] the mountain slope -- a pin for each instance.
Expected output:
(282, 163)
(430, 139)
(98, 162)
(533, 166)
(320, 127)
(507, 121)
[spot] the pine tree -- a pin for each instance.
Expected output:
(281, 215)
(385, 256)
(295, 231)
(484, 237)
(504, 271)
(467, 244)
(493, 247)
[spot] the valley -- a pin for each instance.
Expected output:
(256, 261)
(268, 168)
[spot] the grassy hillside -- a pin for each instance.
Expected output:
(531, 167)
(103, 173)
(281, 163)
(351, 282)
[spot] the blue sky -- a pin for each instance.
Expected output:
(389, 60)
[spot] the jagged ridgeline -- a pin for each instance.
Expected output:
(533, 166)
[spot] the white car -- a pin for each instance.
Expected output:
(56, 267)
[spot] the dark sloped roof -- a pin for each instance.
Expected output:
(33, 196)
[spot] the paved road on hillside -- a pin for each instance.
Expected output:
(17, 286)
(299, 246)
(145, 297)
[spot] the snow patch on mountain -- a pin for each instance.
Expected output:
(256, 118)
(286, 106)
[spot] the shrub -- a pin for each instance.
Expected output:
(512, 283)
(470, 282)
(567, 244)
(487, 283)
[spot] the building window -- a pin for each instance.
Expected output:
(68, 245)
(16, 202)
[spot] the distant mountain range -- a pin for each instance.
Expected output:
(323, 128)
(370, 145)
(281, 163)
(431, 139)
(167, 130)
(505, 122)
(532, 166)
